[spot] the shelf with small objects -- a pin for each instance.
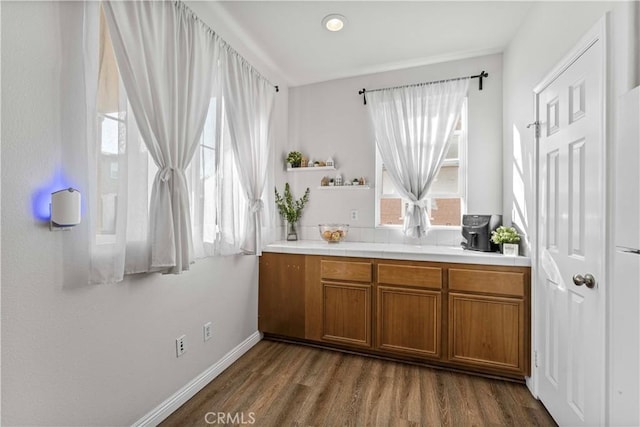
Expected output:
(337, 183)
(296, 162)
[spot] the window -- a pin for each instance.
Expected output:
(447, 193)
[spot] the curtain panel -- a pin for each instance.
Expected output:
(412, 127)
(166, 61)
(249, 101)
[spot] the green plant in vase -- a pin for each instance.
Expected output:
(291, 209)
(294, 158)
(508, 239)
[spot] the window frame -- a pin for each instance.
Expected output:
(461, 162)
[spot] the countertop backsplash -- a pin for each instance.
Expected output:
(436, 236)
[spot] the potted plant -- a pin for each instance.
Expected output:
(291, 209)
(294, 158)
(508, 239)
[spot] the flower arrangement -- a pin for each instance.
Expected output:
(291, 209)
(294, 158)
(505, 235)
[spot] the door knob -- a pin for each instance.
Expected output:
(588, 280)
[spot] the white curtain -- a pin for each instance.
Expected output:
(118, 196)
(249, 101)
(218, 204)
(412, 127)
(166, 60)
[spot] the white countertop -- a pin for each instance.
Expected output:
(396, 251)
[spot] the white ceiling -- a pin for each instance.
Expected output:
(379, 35)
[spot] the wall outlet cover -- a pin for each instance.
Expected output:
(181, 345)
(206, 331)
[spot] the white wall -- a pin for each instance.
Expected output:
(329, 119)
(74, 354)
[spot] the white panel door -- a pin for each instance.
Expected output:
(570, 302)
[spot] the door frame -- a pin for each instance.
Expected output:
(595, 33)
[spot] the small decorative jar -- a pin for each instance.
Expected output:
(510, 249)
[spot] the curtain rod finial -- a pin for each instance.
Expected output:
(277, 88)
(363, 92)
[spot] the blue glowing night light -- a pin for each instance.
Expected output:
(41, 197)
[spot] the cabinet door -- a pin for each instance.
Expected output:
(281, 305)
(487, 331)
(347, 313)
(408, 321)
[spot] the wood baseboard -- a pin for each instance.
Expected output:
(166, 408)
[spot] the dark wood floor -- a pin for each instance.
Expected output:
(280, 384)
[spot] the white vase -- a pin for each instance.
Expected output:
(510, 249)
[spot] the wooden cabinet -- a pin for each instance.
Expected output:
(462, 316)
(409, 306)
(489, 319)
(346, 302)
(486, 331)
(346, 313)
(408, 321)
(281, 297)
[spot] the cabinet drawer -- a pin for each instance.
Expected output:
(490, 282)
(410, 275)
(346, 270)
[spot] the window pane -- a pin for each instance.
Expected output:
(109, 136)
(452, 153)
(391, 210)
(108, 172)
(209, 195)
(445, 212)
(209, 131)
(387, 185)
(208, 160)
(458, 124)
(446, 181)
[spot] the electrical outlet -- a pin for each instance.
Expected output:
(181, 345)
(354, 215)
(206, 331)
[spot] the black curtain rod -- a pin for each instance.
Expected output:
(480, 76)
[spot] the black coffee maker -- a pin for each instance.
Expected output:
(476, 229)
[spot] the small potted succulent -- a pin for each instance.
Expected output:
(508, 239)
(294, 158)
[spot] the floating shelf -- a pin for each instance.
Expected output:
(344, 187)
(315, 168)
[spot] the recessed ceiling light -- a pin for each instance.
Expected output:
(334, 22)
